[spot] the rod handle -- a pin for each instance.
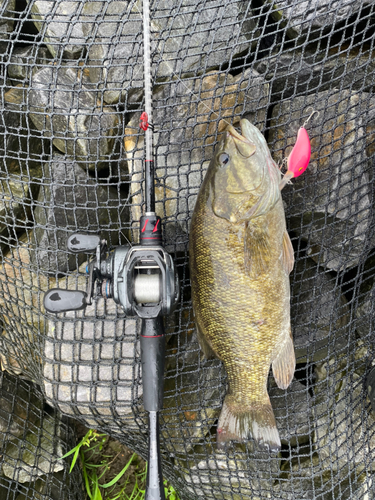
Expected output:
(153, 359)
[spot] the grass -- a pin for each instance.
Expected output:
(110, 471)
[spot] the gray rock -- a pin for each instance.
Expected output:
(292, 409)
(70, 201)
(343, 423)
(118, 67)
(14, 206)
(232, 476)
(70, 114)
(303, 478)
(330, 206)
(58, 486)
(88, 360)
(35, 455)
(60, 26)
(7, 12)
(21, 145)
(192, 402)
(20, 407)
(21, 301)
(184, 146)
(302, 73)
(309, 17)
(319, 313)
(24, 60)
(364, 310)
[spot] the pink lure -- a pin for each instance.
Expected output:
(299, 157)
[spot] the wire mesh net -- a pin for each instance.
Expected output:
(72, 160)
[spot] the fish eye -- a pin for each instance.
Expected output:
(223, 159)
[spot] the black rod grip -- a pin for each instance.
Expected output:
(152, 357)
(154, 481)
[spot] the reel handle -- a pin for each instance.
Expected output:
(83, 243)
(58, 300)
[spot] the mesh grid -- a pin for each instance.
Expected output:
(71, 80)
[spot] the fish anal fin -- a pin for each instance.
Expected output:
(204, 345)
(239, 422)
(284, 364)
(257, 251)
(287, 253)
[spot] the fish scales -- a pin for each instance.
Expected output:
(240, 259)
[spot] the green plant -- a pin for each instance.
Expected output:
(97, 461)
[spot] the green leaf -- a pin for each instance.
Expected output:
(119, 475)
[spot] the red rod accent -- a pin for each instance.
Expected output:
(156, 226)
(144, 227)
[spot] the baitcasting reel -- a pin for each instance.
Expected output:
(142, 279)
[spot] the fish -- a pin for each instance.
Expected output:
(240, 257)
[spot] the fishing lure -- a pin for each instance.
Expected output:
(299, 158)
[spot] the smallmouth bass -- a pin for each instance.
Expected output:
(240, 259)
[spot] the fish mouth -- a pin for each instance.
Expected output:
(245, 146)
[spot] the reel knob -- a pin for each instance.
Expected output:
(59, 300)
(83, 243)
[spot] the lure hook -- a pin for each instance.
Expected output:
(309, 118)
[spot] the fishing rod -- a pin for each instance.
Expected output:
(141, 278)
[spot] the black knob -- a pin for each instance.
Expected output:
(59, 300)
(85, 243)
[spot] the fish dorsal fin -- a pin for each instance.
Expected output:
(287, 255)
(257, 250)
(284, 364)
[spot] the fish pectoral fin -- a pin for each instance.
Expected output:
(257, 251)
(287, 254)
(204, 345)
(284, 364)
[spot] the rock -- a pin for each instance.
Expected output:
(303, 72)
(315, 17)
(88, 359)
(192, 403)
(36, 454)
(365, 295)
(231, 476)
(20, 143)
(343, 423)
(304, 478)
(184, 145)
(71, 115)
(292, 409)
(319, 313)
(15, 202)
(7, 12)
(59, 486)
(118, 67)
(20, 407)
(60, 26)
(21, 301)
(24, 60)
(70, 201)
(330, 206)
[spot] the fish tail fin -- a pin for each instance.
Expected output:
(239, 421)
